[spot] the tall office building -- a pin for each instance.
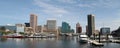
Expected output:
(33, 22)
(78, 28)
(91, 24)
(51, 25)
(66, 28)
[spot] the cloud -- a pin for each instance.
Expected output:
(85, 5)
(50, 8)
(67, 1)
(13, 18)
(71, 10)
(99, 3)
(117, 17)
(109, 3)
(108, 22)
(55, 11)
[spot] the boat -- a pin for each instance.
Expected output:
(15, 37)
(83, 39)
(95, 43)
(37, 36)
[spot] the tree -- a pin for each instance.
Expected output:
(3, 28)
(22, 33)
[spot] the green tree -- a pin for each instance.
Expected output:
(3, 28)
(22, 33)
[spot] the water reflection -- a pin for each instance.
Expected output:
(60, 42)
(3, 39)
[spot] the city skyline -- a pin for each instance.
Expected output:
(107, 12)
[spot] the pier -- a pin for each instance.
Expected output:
(115, 41)
(93, 42)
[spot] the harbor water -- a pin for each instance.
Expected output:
(60, 42)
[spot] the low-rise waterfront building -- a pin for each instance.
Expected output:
(105, 30)
(39, 28)
(20, 28)
(27, 24)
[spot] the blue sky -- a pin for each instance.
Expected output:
(107, 12)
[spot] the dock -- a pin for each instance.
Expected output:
(103, 41)
(115, 41)
(93, 42)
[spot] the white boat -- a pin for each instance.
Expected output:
(33, 36)
(83, 39)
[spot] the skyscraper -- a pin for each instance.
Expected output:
(33, 22)
(91, 24)
(51, 25)
(66, 28)
(78, 28)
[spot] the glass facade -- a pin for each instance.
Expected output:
(105, 30)
(66, 28)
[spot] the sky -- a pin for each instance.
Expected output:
(107, 12)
